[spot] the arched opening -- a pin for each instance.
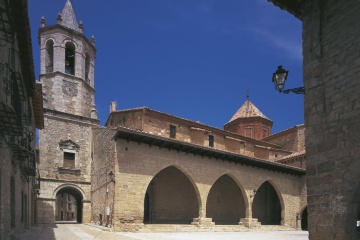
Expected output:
(69, 205)
(70, 58)
(12, 203)
(87, 67)
(266, 206)
(225, 202)
(304, 220)
(49, 56)
(170, 199)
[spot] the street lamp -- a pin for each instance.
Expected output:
(279, 79)
(111, 175)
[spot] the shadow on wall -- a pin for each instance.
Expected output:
(43, 230)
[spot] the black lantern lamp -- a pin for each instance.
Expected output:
(279, 79)
(112, 176)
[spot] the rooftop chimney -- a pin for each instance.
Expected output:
(112, 107)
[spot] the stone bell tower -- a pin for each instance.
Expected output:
(67, 76)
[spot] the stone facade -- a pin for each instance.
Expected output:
(162, 163)
(146, 167)
(67, 76)
(331, 79)
(20, 115)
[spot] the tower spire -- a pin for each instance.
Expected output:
(68, 17)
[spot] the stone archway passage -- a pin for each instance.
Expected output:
(170, 199)
(225, 203)
(69, 205)
(266, 206)
(304, 220)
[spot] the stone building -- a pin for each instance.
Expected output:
(169, 170)
(147, 168)
(67, 77)
(331, 68)
(20, 114)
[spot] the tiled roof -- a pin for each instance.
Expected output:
(247, 110)
(68, 17)
(294, 155)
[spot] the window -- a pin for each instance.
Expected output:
(69, 160)
(69, 206)
(49, 57)
(211, 141)
(265, 133)
(172, 131)
(70, 58)
(248, 132)
(87, 67)
(12, 202)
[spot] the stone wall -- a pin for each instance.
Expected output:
(54, 176)
(102, 188)
(137, 164)
(332, 109)
(292, 139)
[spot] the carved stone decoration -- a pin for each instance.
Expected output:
(69, 88)
(68, 144)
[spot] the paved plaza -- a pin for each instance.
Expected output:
(89, 232)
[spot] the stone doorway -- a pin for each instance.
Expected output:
(304, 220)
(69, 205)
(266, 206)
(225, 202)
(170, 199)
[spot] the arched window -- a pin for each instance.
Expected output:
(87, 67)
(70, 58)
(49, 56)
(12, 202)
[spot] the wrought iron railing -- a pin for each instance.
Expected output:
(6, 31)
(28, 165)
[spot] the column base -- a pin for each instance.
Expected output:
(250, 222)
(203, 222)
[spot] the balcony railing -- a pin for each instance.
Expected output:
(6, 31)
(28, 165)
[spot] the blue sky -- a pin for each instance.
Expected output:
(194, 59)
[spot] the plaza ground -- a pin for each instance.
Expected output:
(90, 232)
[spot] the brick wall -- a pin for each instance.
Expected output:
(331, 78)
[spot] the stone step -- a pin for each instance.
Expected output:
(214, 228)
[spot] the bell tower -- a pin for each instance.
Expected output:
(67, 65)
(67, 77)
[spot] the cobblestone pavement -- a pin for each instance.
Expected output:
(89, 232)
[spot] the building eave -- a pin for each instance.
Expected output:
(188, 148)
(292, 6)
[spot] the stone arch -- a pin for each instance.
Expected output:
(304, 217)
(268, 204)
(73, 196)
(70, 55)
(87, 67)
(226, 201)
(171, 197)
(49, 55)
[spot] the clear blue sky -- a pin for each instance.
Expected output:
(194, 59)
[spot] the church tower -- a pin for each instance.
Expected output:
(67, 76)
(250, 122)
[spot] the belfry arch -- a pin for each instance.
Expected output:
(225, 202)
(267, 207)
(170, 198)
(69, 204)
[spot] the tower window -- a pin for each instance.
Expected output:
(70, 58)
(172, 131)
(211, 141)
(87, 68)
(265, 133)
(49, 57)
(69, 160)
(248, 132)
